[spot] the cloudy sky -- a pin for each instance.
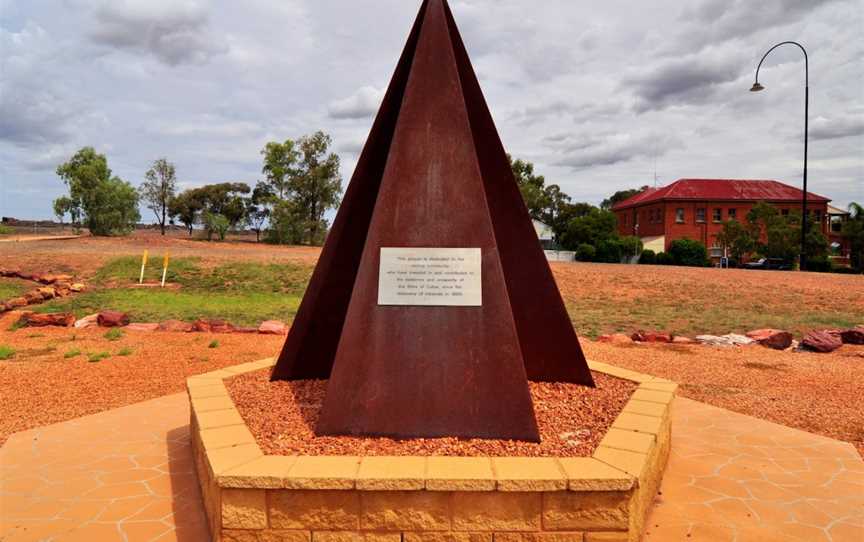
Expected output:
(596, 94)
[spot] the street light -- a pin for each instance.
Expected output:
(756, 88)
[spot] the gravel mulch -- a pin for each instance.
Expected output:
(41, 386)
(572, 421)
(818, 393)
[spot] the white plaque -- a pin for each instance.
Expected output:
(430, 276)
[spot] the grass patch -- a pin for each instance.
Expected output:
(245, 293)
(10, 288)
(114, 334)
(6, 352)
(127, 270)
(125, 351)
(75, 352)
(213, 344)
(6, 230)
(98, 356)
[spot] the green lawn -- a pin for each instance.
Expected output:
(243, 293)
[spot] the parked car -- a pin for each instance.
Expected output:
(777, 264)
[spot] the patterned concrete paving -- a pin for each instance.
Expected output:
(127, 474)
(736, 478)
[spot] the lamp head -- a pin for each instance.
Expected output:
(756, 87)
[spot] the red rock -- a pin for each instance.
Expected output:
(245, 330)
(113, 319)
(54, 319)
(821, 341)
(684, 340)
(88, 321)
(176, 325)
(202, 326)
(853, 336)
(772, 338)
(221, 326)
(47, 292)
(139, 326)
(52, 278)
(272, 327)
(651, 337)
(77, 287)
(9, 272)
(614, 338)
(17, 302)
(33, 297)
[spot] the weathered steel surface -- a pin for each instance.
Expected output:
(433, 174)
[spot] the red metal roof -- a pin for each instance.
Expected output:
(720, 190)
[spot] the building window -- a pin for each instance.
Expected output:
(717, 215)
(818, 215)
(679, 215)
(624, 219)
(784, 212)
(700, 215)
(733, 214)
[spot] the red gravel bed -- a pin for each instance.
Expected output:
(818, 393)
(282, 415)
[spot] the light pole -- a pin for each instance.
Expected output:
(756, 88)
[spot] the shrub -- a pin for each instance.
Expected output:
(648, 257)
(631, 246)
(819, 264)
(115, 334)
(97, 357)
(72, 353)
(585, 252)
(6, 352)
(125, 351)
(664, 258)
(609, 251)
(689, 252)
(213, 344)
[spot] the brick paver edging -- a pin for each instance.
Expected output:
(249, 496)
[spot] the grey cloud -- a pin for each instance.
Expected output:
(351, 147)
(175, 32)
(823, 128)
(577, 113)
(682, 81)
(610, 150)
(362, 104)
(714, 21)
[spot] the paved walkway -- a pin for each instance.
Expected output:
(127, 474)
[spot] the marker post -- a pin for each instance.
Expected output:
(143, 264)
(164, 268)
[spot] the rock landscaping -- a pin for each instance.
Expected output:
(55, 286)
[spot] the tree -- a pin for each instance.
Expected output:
(280, 166)
(158, 189)
(287, 224)
(548, 204)
(689, 252)
(591, 228)
(737, 239)
(316, 186)
(258, 209)
(620, 196)
(63, 206)
(107, 204)
(186, 207)
(853, 231)
(215, 223)
(226, 199)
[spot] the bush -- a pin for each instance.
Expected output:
(586, 253)
(664, 258)
(609, 251)
(648, 257)
(631, 246)
(819, 264)
(689, 252)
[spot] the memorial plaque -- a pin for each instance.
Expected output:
(444, 277)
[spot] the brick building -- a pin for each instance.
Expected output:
(697, 208)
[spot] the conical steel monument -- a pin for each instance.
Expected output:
(432, 304)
